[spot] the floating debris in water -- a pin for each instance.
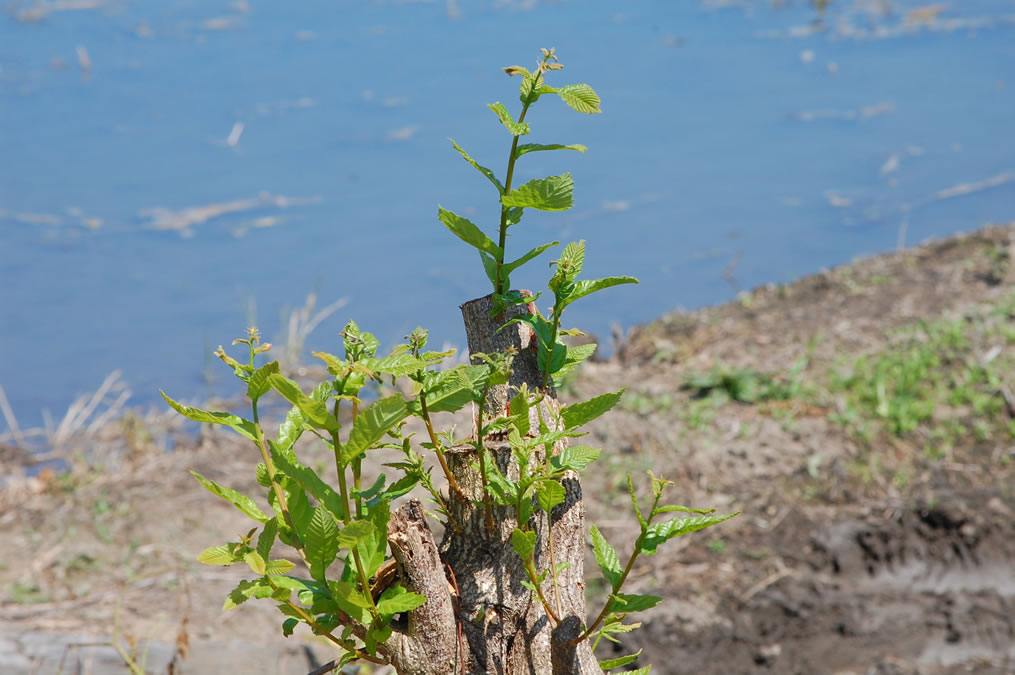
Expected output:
(183, 220)
(867, 112)
(403, 134)
(968, 188)
(234, 135)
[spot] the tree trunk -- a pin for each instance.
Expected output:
(478, 615)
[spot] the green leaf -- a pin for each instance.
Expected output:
(374, 548)
(398, 365)
(575, 458)
(625, 603)
(513, 216)
(553, 193)
(355, 533)
(246, 589)
(467, 231)
(510, 267)
(267, 538)
(372, 424)
(263, 479)
(218, 555)
(321, 542)
(257, 385)
(660, 532)
(606, 556)
(490, 267)
(308, 479)
(607, 664)
(575, 355)
(519, 407)
(396, 600)
(569, 265)
(279, 566)
(524, 543)
(579, 97)
(242, 502)
(454, 389)
(530, 82)
(516, 128)
(683, 509)
(641, 671)
(482, 169)
(551, 362)
(316, 412)
(577, 414)
(537, 147)
(587, 286)
(551, 494)
(288, 626)
(241, 426)
(254, 561)
(291, 429)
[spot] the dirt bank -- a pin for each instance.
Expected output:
(860, 418)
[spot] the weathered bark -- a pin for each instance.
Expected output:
(505, 628)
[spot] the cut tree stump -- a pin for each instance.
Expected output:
(479, 618)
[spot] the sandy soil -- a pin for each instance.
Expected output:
(859, 550)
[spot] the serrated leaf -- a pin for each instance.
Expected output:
(580, 97)
(291, 428)
(569, 265)
(530, 82)
(468, 232)
(588, 286)
(524, 543)
(254, 561)
(242, 502)
(482, 169)
(575, 458)
(659, 532)
(577, 414)
(316, 412)
(398, 365)
(355, 532)
(510, 267)
(537, 147)
(321, 542)
(551, 494)
(246, 589)
(267, 538)
(257, 385)
(575, 355)
(516, 128)
(308, 479)
(241, 426)
(261, 473)
(606, 556)
(218, 555)
(279, 566)
(396, 600)
(626, 603)
(455, 388)
(553, 193)
(607, 664)
(372, 424)
(519, 407)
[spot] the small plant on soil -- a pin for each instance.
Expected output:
(504, 589)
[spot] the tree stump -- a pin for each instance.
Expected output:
(478, 615)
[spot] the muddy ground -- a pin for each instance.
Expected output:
(877, 533)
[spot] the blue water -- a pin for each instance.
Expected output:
(736, 147)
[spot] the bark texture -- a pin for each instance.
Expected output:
(486, 620)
